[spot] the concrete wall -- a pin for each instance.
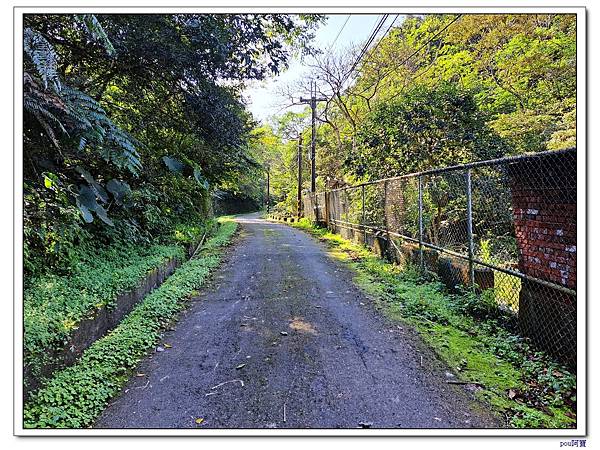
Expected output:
(101, 322)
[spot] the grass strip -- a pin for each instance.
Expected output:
(75, 396)
(469, 334)
(54, 305)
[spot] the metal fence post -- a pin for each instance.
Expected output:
(421, 260)
(327, 209)
(364, 218)
(470, 227)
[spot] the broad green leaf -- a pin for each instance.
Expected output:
(173, 164)
(101, 212)
(200, 178)
(85, 174)
(87, 197)
(118, 188)
(100, 192)
(87, 215)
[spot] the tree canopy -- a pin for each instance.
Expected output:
(443, 89)
(130, 121)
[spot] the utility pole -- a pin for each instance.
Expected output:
(299, 176)
(268, 187)
(313, 106)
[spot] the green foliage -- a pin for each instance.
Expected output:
(439, 89)
(75, 396)
(107, 97)
(173, 164)
(68, 115)
(422, 129)
(95, 30)
(53, 305)
(470, 334)
(43, 56)
(275, 147)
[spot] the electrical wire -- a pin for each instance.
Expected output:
(372, 50)
(367, 44)
(404, 61)
(338, 33)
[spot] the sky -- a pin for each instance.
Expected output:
(262, 99)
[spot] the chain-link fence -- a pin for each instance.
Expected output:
(507, 227)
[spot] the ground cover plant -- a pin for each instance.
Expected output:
(54, 303)
(469, 333)
(75, 396)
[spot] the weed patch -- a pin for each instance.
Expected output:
(54, 305)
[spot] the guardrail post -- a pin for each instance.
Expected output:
(470, 228)
(364, 217)
(421, 260)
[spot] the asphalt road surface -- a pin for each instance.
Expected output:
(282, 339)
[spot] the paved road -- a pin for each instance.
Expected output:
(314, 352)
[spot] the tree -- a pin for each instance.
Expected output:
(423, 129)
(516, 71)
(157, 97)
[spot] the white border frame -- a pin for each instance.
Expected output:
(581, 429)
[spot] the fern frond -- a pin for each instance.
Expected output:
(95, 31)
(35, 108)
(43, 56)
(84, 110)
(129, 157)
(47, 128)
(44, 106)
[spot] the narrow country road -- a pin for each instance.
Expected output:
(282, 339)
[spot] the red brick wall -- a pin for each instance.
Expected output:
(544, 200)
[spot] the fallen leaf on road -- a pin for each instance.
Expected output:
(199, 420)
(140, 374)
(240, 366)
(283, 333)
(168, 346)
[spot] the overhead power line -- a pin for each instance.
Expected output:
(374, 31)
(404, 61)
(338, 33)
(385, 34)
(367, 44)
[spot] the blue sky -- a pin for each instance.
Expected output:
(262, 99)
